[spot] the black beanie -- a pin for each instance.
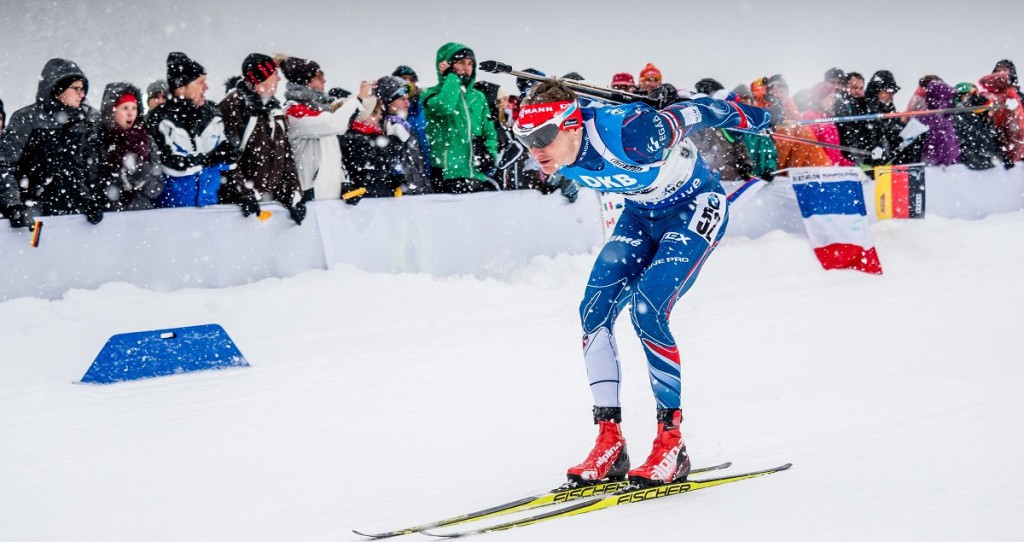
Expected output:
(465, 52)
(182, 70)
(405, 71)
(257, 68)
(707, 86)
(63, 84)
(299, 70)
(389, 88)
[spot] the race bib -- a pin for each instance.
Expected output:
(708, 216)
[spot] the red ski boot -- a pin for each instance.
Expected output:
(608, 460)
(668, 461)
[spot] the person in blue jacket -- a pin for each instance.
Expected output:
(675, 213)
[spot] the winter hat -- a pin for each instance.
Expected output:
(405, 71)
(665, 93)
(1010, 66)
(182, 70)
(834, 74)
(623, 78)
(63, 84)
(524, 84)
(157, 87)
(966, 88)
(777, 81)
(257, 68)
(883, 80)
(708, 86)
(127, 97)
(759, 86)
(573, 76)
(389, 88)
(465, 52)
(743, 91)
(650, 71)
(299, 70)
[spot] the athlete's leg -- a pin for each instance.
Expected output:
(623, 258)
(687, 241)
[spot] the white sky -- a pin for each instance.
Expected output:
(730, 40)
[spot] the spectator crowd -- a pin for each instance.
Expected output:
(172, 147)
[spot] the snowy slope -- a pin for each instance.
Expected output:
(379, 400)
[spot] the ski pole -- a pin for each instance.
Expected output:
(794, 139)
(896, 115)
(617, 96)
(587, 89)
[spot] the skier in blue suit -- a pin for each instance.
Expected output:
(674, 216)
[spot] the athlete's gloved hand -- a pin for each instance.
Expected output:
(570, 190)
(767, 176)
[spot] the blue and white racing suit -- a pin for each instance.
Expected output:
(675, 214)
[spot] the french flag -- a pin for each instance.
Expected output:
(831, 201)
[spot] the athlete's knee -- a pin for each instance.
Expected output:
(597, 309)
(647, 310)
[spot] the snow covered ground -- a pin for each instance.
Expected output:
(377, 401)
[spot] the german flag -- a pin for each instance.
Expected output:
(899, 192)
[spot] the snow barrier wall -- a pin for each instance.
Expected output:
(486, 235)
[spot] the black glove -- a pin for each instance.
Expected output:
(1009, 164)
(298, 212)
(744, 170)
(94, 214)
(570, 190)
(21, 216)
(483, 160)
(249, 205)
(767, 176)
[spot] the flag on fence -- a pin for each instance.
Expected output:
(831, 201)
(899, 192)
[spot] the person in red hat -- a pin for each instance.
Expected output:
(129, 167)
(624, 81)
(650, 79)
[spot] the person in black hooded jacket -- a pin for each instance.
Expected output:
(49, 145)
(884, 134)
(1007, 65)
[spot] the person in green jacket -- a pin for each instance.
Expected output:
(463, 142)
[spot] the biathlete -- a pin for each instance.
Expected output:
(675, 214)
